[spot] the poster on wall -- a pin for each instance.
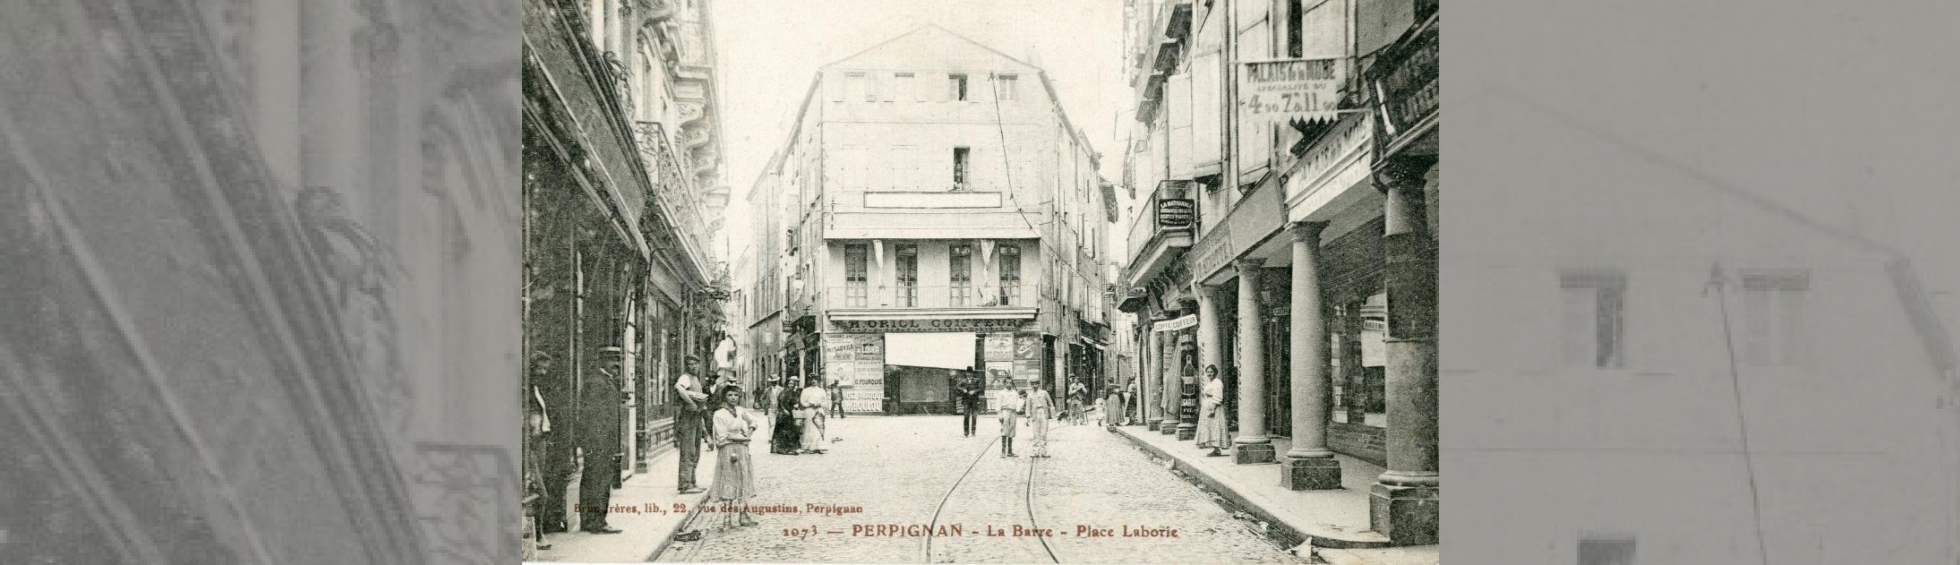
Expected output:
(839, 348)
(870, 375)
(857, 363)
(1027, 346)
(1000, 347)
(864, 399)
(1000, 380)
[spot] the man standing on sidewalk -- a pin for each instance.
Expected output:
(602, 441)
(687, 424)
(969, 399)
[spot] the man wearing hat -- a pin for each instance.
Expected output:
(688, 421)
(602, 443)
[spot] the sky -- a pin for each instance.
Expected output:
(1827, 108)
(770, 51)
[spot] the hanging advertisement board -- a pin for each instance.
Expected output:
(1274, 93)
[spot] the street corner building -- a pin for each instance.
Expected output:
(1284, 231)
(930, 185)
(622, 195)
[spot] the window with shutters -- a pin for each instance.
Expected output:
(1007, 85)
(1595, 312)
(960, 157)
(1773, 318)
(856, 279)
(960, 292)
(956, 87)
(904, 85)
(1010, 275)
(859, 86)
(908, 275)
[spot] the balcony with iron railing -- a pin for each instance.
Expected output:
(1163, 225)
(932, 297)
(673, 189)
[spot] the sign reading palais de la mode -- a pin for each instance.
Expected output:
(1274, 92)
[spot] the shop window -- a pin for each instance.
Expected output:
(855, 276)
(1595, 318)
(1360, 361)
(1773, 318)
(960, 293)
(908, 275)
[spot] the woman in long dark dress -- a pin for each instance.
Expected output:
(785, 437)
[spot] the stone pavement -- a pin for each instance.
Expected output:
(896, 471)
(1337, 519)
(661, 509)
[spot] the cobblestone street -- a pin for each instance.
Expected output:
(896, 471)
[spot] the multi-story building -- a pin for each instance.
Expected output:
(1690, 371)
(1263, 241)
(621, 196)
(933, 184)
(762, 327)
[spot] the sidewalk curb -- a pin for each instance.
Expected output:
(1280, 530)
(693, 509)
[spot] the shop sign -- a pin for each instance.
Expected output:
(1405, 83)
(1184, 323)
(1273, 93)
(934, 325)
(1174, 213)
(1213, 252)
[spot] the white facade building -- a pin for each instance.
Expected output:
(932, 184)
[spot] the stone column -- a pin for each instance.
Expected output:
(1405, 501)
(1251, 445)
(1149, 357)
(1167, 375)
(1309, 465)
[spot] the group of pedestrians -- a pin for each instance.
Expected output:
(712, 413)
(797, 416)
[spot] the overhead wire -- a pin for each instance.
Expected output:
(1007, 170)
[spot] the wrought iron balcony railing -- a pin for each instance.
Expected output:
(1160, 214)
(901, 297)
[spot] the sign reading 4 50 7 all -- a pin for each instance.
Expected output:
(1276, 92)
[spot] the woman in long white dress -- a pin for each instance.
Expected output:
(1212, 431)
(734, 469)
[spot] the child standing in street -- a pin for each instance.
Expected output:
(1010, 418)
